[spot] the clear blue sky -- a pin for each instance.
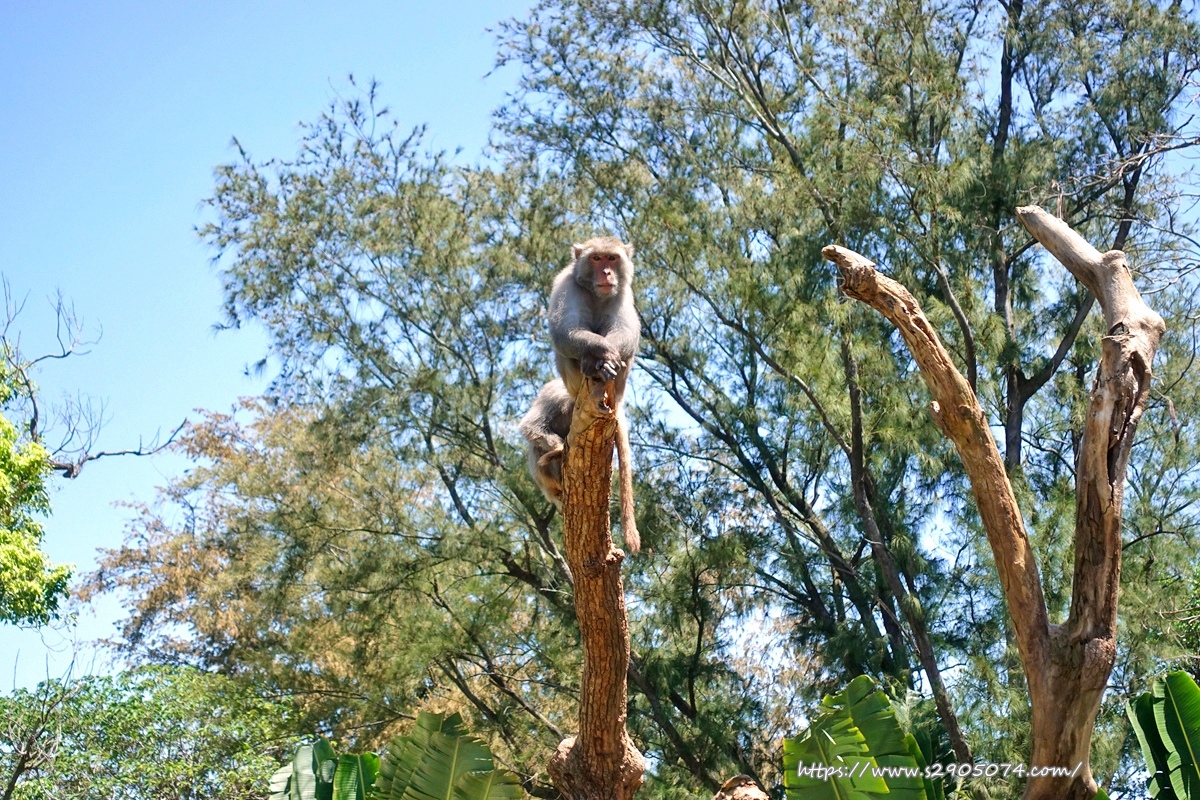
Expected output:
(112, 117)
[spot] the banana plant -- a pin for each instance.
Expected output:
(855, 749)
(439, 761)
(317, 773)
(1166, 720)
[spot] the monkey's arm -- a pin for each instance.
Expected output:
(570, 336)
(623, 332)
(537, 432)
(571, 320)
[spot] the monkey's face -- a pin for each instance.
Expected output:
(605, 267)
(602, 266)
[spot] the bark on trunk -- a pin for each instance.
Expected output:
(1083, 649)
(601, 761)
(1066, 666)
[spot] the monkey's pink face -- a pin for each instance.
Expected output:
(604, 273)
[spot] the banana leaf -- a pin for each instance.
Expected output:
(1141, 715)
(498, 784)
(1178, 718)
(438, 761)
(403, 753)
(355, 776)
(887, 742)
(855, 737)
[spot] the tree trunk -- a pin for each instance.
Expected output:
(1066, 666)
(600, 763)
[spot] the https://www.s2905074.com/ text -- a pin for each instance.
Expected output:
(864, 768)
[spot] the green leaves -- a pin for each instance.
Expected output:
(161, 732)
(355, 775)
(437, 761)
(836, 744)
(1167, 722)
(30, 587)
(856, 750)
(316, 773)
(1141, 715)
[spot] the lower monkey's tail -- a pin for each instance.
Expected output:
(625, 463)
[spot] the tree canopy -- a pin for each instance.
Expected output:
(171, 734)
(365, 536)
(31, 588)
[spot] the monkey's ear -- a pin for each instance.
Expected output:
(576, 251)
(629, 251)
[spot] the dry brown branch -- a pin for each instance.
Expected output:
(1085, 646)
(1066, 666)
(958, 414)
(600, 763)
(70, 468)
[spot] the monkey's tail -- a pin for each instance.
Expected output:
(633, 540)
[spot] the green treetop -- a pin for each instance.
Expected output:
(31, 588)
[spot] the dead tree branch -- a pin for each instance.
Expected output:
(600, 763)
(1066, 666)
(77, 420)
(957, 412)
(72, 468)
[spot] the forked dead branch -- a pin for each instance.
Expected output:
(1066, 665)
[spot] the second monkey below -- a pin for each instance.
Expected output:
(545, 426)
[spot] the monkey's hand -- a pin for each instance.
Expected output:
(602, 368)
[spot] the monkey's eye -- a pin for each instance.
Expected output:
(611, 257)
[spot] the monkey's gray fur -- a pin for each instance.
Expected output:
(594, 328)
(545, 426)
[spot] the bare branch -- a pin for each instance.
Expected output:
(1066, 695)
(957, 412)
(1120, 394)
(71, 469)
(80, 418)
(1106, 275)
(1066, 667)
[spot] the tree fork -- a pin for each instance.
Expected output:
(1066, 666)
(600, 763)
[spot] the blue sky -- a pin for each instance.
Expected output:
(112, 118)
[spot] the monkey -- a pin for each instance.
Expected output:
(545, 426)
(594, 329)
